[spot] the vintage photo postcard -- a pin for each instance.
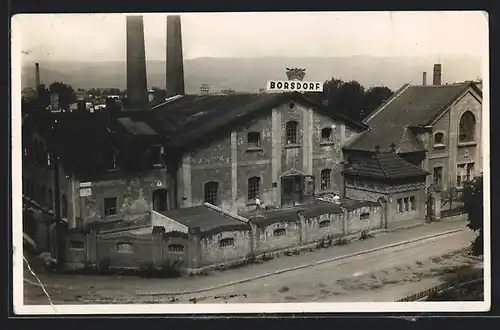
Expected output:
(250, 162)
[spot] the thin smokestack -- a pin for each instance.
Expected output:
(137, 85)
(424, 79)
(175, 60)
(37, 76)
(436, 80)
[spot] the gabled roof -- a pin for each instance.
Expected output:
(410, 106)
(385, 166)
(192, 118)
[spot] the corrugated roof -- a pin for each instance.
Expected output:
(413, 106)
(387, 165)
(205, 218)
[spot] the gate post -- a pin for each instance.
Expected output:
(436, 207)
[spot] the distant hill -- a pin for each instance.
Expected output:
(250, 74)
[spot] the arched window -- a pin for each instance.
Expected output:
(211, 192)
(50, 200)
(64, 207)
(253, 187)
(292, 132)
(326, 179)
(439, 138)
(326, 134)
(467, 127)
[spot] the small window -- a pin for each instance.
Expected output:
(400, 205)
(110, 160)
(439, 139)
(226, 242)
(324, 224)
(279, 232)
(326, 179)
(292, 132)
(406, 202)
(326, 134)
(461, 173)
(253, 187)
(76, 245)
(413, 206)
(125, 247)
(156, 155)
(211, 192)
(110, 206)
(364, 216)
(64, 206)
(253, 139)
(176, 248)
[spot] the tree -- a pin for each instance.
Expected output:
(473, 204)
(374, 97)
(351, 98)
(66, 94)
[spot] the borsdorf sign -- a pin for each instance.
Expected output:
(294, 86)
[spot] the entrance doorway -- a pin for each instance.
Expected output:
(160, 200)
(296, 188)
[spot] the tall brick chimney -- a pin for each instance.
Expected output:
(175, 60)
(424, 79)
(137, 85)
(436, 80)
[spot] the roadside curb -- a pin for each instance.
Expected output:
(301, 266)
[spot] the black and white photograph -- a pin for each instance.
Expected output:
(250, 162)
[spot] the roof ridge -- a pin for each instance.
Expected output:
(380, 165)
(385, 104)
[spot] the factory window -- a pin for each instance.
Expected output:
(253, 139)
(470, 172)
(175, 248)
(125, 247)
(64, 206)
(226, 242)
(413, 205)
(438, 139)
(279, 232)
(110, 160)
(156, 155)
(437, 175)
(76, 245)
(326, 134)
(467, 127)
(326, 180)
(292, 132)
(211, 192)
(364, 216)
(406, 202)
(400, 205)
(324, 224)
(253, 187)
(110, 206)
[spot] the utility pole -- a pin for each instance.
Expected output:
(57, 200)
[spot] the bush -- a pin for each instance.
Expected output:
(365, 234)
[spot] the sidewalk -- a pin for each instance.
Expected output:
(126, 284)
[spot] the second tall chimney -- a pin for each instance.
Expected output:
(424, 79)
(175, 61)
(137, 85)
(436, 80)
(37, 77)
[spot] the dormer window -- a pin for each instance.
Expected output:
(438, 140)
(253, 139)
(110, 160)
(326, 135)
(156, 156)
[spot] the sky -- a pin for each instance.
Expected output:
(101, 37)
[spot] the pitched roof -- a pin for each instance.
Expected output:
(192, 118)
(385, 165)
(207, 219)
(410, 106)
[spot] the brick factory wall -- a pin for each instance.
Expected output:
(213, 253)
